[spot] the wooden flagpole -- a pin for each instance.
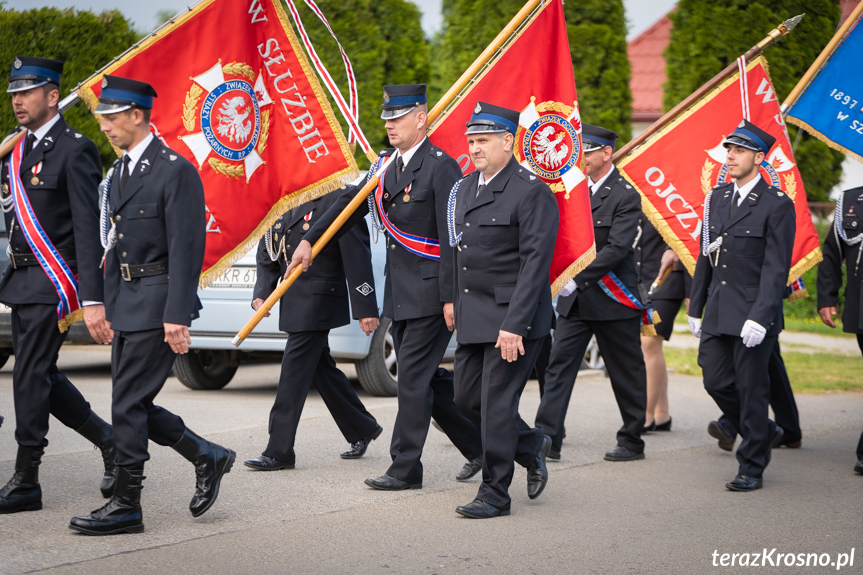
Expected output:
(821, 59)
(448, 98)
(334, 227)
(774, 35)
(487, 55)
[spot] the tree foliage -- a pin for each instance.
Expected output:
(84, 41)
(597, 40)
(386, 45)
(707, 36)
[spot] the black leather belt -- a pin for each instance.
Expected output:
(24, 260)
(132, 271)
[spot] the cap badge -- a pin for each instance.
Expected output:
(104, 83)
(478, 109)
(17, 63)
(741, 124)
(386, 97)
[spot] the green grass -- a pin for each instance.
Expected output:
(809, 372)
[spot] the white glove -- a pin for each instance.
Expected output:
(695, 326)
(752, 333)
(567, 289)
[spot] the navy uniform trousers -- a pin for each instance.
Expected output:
(781, 400)
(741, 390)
(307, 361)
(425, 391)
(488, 392)
(39, 388)
(141, 361)
(620, 343)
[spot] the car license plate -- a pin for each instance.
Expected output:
(236, 277)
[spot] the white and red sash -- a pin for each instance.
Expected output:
(65, 282)
(418, 245)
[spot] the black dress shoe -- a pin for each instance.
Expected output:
(553, 454)
(387, 483)
(662, 426)
(477, 509)
(266, 463)
(775, 438)
(621, 453)
(1, 421)
(859, 467)
(790, 444)
(744, 483)
(358, 449)
(537, 473)
(470, 469)
(724, 438)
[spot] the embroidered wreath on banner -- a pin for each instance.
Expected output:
(770, 171)
(230, 103)
(550, 145)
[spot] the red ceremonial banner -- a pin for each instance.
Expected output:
(533, 74)
(238, 99)
(674, 170)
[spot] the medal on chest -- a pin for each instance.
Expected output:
(307, 217)
(36, 169)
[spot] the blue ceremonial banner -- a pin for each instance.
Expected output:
(831, 107)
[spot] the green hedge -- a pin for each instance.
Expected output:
(86, 42)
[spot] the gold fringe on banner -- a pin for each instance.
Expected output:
(805, 264)
(799, 294)
(815, 133)
(63, 324)
(573, 270)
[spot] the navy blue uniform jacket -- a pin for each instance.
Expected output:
(160, 218)
(502, 261)
(318, 300)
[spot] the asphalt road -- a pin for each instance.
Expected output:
(667, 514)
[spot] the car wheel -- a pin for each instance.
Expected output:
(5, 353)
(379, 371)
(206, 368)
(592, 357)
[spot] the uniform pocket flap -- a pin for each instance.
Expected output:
(502, 294)
(749, 232)
(751, 293)
(501, 219)
(850, 223)
(143, 210)
(328, 287)
(45, 182)
(429, 270)
(418, 194)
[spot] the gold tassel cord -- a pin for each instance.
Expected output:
(63, 324)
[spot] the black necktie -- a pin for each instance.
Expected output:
(479, 189)
(400, 167)
(734, 200)
(124, 175)
(31, 141)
